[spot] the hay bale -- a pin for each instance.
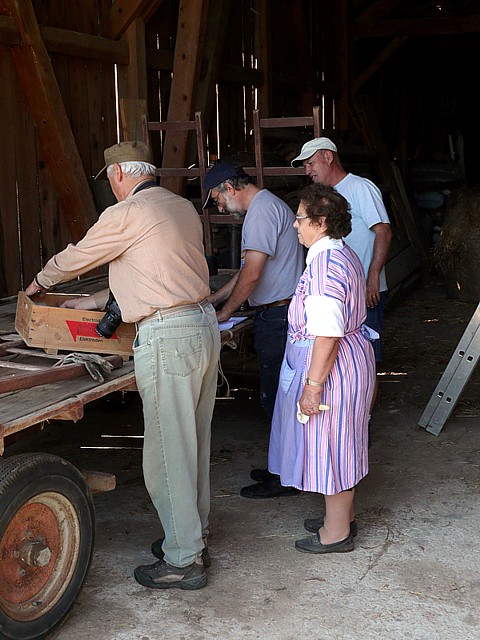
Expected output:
(457, 254)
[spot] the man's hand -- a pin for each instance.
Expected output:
(373, 290)
(86, 303)
(223, 316)
(34, 288)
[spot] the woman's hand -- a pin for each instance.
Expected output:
(310, 400)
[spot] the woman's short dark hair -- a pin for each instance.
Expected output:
(322, 201)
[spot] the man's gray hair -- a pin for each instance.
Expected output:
(134, 169)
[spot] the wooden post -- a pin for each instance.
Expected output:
(263, 49)
(344, 57)
(216, 27)
(58, 144)
(188, 50)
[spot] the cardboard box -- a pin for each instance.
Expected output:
(42, 323)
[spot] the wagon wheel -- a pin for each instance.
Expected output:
(47, 526)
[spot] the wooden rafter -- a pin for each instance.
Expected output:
(448, 25)
(124, 12)
(54, 131)
(70, 43)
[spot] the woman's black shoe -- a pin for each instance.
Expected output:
(270, 488)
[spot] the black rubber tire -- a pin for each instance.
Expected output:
(46, 485)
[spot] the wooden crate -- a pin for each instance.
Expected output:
(42, 323)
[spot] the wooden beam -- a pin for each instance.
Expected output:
(263, 47)
(382, 57)
(136, 71)
(343, 37)
(58, 144)
(134, 118)
(216, 27)
(448, 25)
(124, 12)
(163, 61)
(69, 43)
(192, 16)
(376, 11)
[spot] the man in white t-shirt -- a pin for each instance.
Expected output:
(371, 234)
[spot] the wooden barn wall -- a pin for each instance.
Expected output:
(303, 69)
(32, 227)
(294, 40)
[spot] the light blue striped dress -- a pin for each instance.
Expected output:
(329, 453)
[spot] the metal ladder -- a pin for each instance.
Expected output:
(454, 378)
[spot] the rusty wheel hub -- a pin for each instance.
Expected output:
(38, 553)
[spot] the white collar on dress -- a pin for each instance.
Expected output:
(322, 245)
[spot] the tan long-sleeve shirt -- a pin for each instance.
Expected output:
(153, 243)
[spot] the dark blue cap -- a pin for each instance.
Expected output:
(220, 172)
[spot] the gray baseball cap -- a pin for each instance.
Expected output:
(311, 147)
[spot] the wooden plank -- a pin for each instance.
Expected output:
(36, 74)
(343, 38)
(27, 183)
(163, 61)
(99, 481)
(95, 76)
(188, 51)
(263, 49)
(135, 73)
(216, 27)
(124, 12)
(45, 375)
(258, 141)
(134, 119)
(63, 400)
(10, 261)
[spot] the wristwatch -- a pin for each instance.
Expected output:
(313, 383)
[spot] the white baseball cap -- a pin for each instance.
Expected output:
(311, 147)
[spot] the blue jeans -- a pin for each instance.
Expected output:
(176, 363)
(270, 337)
(375, 321)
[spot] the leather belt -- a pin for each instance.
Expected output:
(278, 303)
(173, 311)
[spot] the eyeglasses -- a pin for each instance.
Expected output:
(300, 217)
(215, 199)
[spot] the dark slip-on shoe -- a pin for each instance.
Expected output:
(314, 524)
(259, 475)
(312, 544)
(270, 488)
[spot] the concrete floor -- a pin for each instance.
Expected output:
(415, 571)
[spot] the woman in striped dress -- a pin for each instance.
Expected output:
(319, 435)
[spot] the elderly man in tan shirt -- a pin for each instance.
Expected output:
(152, 241)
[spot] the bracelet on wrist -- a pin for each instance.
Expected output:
(313, 383)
